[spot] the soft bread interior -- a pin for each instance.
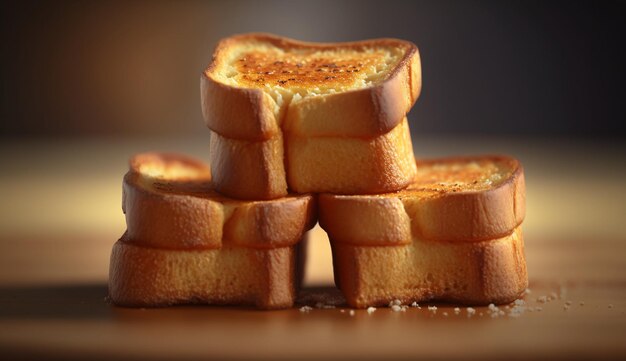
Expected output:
(293, 73)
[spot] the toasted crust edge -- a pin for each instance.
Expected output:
(208, 221)
(248, 170)
(248, 110)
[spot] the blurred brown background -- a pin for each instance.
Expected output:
(86, 84)
(490, 67)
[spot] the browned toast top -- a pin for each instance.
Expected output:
(460, 174)
(304, 69)
(267, 61)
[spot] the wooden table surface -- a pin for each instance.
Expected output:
(61, 213)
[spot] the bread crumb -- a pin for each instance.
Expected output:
(342, 311)
(457, 310)
(553, 296)
(395, 302)
(432, 309)
(415, 304)
(351, 312)
(306, 309)
(470, 311)
(582, 303)
(610, 305)
(527, 291)
(396, 308)
(445, 314)
(542, 299)
(519, 302)
(371, 310)
(568, 303)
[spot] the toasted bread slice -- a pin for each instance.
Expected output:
(259, 84)
(453, 234)
(254, 169)
(473, 273)
(142, 276)
(453, 199)
(169, 203)
(185, 243)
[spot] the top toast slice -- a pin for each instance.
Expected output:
(258, 84)
(451, 199)
(169, 203)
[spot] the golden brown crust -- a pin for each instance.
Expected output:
(247, 113)
(477, 273)
(164, 211)
(150, 277)
(248, 169)
(448, 213)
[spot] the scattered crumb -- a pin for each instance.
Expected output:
(306, 309)
(470, 311)
(395, 302)
(568, 303)
(519, 302)
(610, 305)
(457, 310)
(371, 310)
(351, 312)
(396, 308)
(445, 314)
(527, 291)
(342, 311)
(566, 307)
(582, 303)
(432, 309)
(542, 299)
(415, 304)
(553, 296)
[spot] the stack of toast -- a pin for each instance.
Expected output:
(307, 131)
